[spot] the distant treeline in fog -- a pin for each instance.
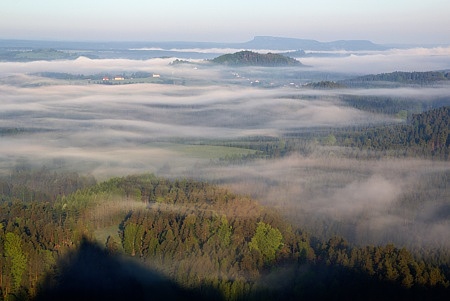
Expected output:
(407, 77)
(426, 135)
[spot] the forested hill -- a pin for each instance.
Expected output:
(426, 134)
(35, 55)
(193, 241)
(249, 58)
(431, 128)
(403, 77)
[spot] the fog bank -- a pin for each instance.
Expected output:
(117, 130)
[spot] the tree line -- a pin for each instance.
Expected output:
(213, 243)
(425, 135)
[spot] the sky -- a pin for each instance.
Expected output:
(381, 21)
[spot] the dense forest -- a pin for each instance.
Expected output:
(425, 135)
(399, 79)
(146, 237)
(250, 58)
(407, 77)
(390, 80)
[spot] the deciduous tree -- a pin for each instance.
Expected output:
(267, 241)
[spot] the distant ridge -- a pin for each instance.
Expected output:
(29, 50)
(268, 42)
(258, 42)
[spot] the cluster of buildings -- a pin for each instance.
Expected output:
(120, 77)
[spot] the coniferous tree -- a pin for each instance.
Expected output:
(16, 257)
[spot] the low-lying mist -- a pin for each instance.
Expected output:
(409, 60)
(129, 126)
(117, 130)
(404, 201)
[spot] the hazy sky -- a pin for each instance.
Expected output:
(382, 21)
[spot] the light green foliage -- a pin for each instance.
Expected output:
(224, 232)
(267, 241)
(402, 114)
(132, 238)
(330, 140)
(14, 254)
(305, 250)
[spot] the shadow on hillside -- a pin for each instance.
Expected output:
(335, 283)
(91, 273)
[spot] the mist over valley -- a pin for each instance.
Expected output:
(334, 153)
(185, 121)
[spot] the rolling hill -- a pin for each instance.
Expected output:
(249, 58)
